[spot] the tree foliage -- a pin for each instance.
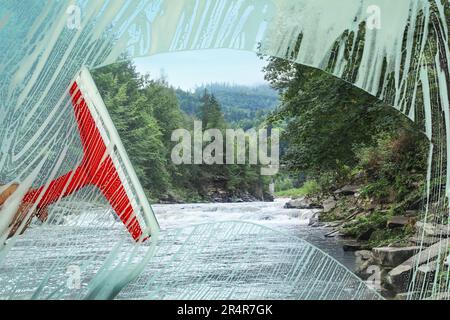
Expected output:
(243, 106)
(145, 113)
(326, 120)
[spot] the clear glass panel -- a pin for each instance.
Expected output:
(397, 51)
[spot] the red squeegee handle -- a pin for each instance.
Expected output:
(96, 169)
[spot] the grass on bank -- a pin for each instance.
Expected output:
(310, 187)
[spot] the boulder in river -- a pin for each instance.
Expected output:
(302, 203)
(391, 257)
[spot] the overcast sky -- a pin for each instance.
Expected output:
(189, 69)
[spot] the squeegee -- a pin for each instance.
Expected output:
(105, 164)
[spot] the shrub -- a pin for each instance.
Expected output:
(283, 183)
(374, 221)
(309, 188)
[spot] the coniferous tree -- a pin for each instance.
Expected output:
(145, 113)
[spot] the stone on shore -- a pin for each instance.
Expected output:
(329, 204)
(398, 277)
(363, 255)
(353, 245)
(364, 259)
(447, 261)
(391, 257)
(402, 296)
(365, 236)
(426, 271)
(444, 296)
(425, 241)
(414, 295)
(433, 230)
(348, 190)
(398, 222)
(332, 234)
(302, 203)
(411, 213)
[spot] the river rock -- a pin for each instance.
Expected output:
(425, 241)
(348, 190)
(391, 257)
(363, 270)
(332, 234)
(170, 199)
(398, 222)
(433, 230)
(411, 213)
(363, 255)
(302, 203)
(314, 220)
(352, 246)
(365, 236)
(447, 261)
(444, 296)
(426, 271)
(363, 261)
(334, 224)
(402, 296)
(315, 224)
(329, 204)
(399, 276)
(268, 197)
(413, 295)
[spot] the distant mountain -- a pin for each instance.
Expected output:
(243, 106)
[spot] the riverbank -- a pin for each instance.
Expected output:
(379, 248)
(383, 237)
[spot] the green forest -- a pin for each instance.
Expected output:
(146, 111)
(333, 135)
(361, 163)
(243, 107)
